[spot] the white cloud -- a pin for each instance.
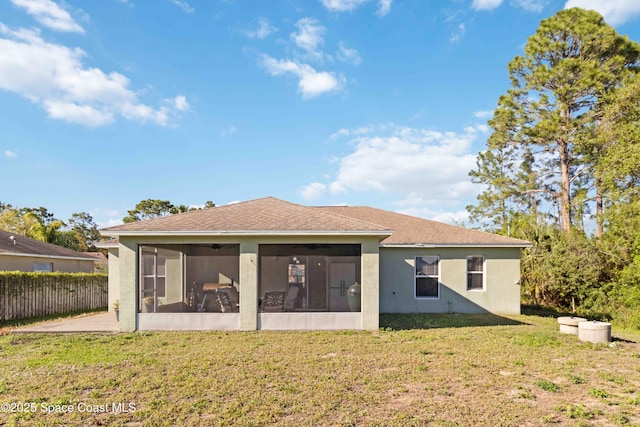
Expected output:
(10, 154)
(348, 54)
(55, 77)
(483, 114)
(531, 5)
(409, 161)
(614, 11)
(422, 208)
(309, 37)
(186, 8)
(485, 4)
(384, 6)
(313, 190)
(361, 130)
(75, 113)
(50, 15)
(457, 34)
(342, 5)
(428, 169)
(228, 131)
(311, 83)
(263, 30)
(180, 103)
(110, 223)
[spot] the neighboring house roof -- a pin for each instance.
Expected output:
(108, 244)
(261, 216)
(273, 216)
(99, 256)
(26, 246)
(411, 230)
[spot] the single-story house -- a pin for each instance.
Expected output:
(20, 253)
(272, 264)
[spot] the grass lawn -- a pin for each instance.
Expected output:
(452, 370)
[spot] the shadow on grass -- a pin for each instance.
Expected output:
(430, 321)
(543, 311)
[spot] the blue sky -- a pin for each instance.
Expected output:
(360, 102)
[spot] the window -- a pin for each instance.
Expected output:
(475, 273)
(427, 276)
(43, 267)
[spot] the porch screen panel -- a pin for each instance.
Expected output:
(148, 274)
(317, 282)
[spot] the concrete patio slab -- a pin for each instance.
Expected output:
(97, 323)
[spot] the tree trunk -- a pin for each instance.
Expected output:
(565, 187)
(565, 181)
(599, 209)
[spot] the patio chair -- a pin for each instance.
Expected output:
(290, 299)
(273, 301)
(229, 299)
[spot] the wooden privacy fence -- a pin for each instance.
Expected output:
(24, 295)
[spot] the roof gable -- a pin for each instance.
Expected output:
(21, 245)
(410, 230)
(267, 215)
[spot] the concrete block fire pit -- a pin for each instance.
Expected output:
(569, 325)
(594, 332)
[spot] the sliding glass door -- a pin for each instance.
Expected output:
(322, 274)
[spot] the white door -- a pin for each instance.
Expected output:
(341, 276)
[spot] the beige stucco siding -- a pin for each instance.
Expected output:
(127, 254)
(501, 294)
(114, 277)
(370, 284)
(25, 263)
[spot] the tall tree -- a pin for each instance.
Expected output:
(571, 62)
(619, 171)
(152, 208)
(85, 227)
(149, 209)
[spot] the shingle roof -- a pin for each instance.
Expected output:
(273, 215)
(27, 246)
(410, 230)
(261, 215)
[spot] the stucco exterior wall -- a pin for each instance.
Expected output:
(114, 277)
(25, 263)
(501, 294)
(127, 251)
(370, 284)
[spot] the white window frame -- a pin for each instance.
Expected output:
(417, 276)
(38, 267)
(483, 272)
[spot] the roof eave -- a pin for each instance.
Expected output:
(213, 233)
(456, 245)
(110, 245)
(93, 259)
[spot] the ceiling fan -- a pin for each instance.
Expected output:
(217, 247)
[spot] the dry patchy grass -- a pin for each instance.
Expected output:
(447, 372)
